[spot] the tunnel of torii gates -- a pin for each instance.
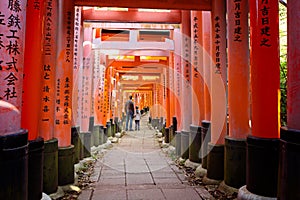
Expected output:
(67, 70)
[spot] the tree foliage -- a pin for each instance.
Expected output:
(283, 63)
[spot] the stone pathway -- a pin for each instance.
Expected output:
(136, 168)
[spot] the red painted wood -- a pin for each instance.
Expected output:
(64, 73)
(173, 17)
(238, 69)
(293, 98)
(33, 68)
(157, 4)
(197, 75)
(46, 128)
(11, 76)
(264, 59)
(218, 73)
(206, 17)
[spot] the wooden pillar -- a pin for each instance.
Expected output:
(215, 164)
(105, 101)
(238, 93)
(186, 82)
(64, 88)
(86, 78)
(162, 102)
(47, 119)
(48, 72)
(77, 68)
(109, 77)
(207, 59)
(186, 69)
(293, 99)
(207, 63)
(33, 69)
(263, 144)
(32, 92)
(11, 67)
(94, 125)
(64, 74)
(290, 136)
(173, 120)
(166, 97)
(197, 87)
(97, 86)
(171, 85)
(77, 84)
(100, 118)
(13, 170)
(178, 78)
(197, 68)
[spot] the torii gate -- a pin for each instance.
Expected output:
(262, 144)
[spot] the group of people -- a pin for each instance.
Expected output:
(132, 113)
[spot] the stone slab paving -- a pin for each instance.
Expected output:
(137, 169)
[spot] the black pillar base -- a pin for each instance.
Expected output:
(185, 144)
(172, 135)
(262, 166)
(289, 164)
(105, 134)
(96, 135)
(174, 126)
(91, 124)
(91, 129)
(205, 138)
(76, 142)
(81, 145)
(174, 123)
(101, 135)
(50, 170)
(14, 165)
(167, 135)
(109, 129)
(178, 143)
(215, 162)
(195, 143)
(65, 165)
(86, 143)
(116, 121)
(161, 123)
(235, 162)
(35, 168)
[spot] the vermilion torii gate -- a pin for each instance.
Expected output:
(47, 65)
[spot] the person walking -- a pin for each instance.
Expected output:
(129, 109)
(137, 118)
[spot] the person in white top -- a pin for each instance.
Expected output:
(137, 118)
